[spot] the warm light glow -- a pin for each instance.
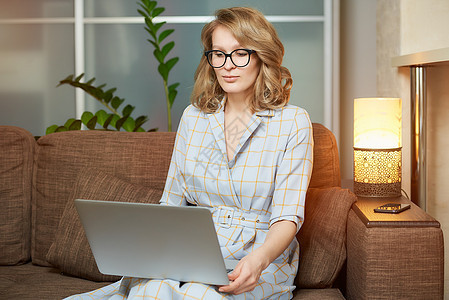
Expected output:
(375, 167)
(377, 147)
(377, 123)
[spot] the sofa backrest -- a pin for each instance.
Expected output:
(140, 158)
(16, 165)
(326, 162)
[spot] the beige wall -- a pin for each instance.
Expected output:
(357, 69)
(394, 82)
(410, 26)
(424, 25)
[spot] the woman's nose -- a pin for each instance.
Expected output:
(228, 64)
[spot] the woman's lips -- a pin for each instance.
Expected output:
(230, 78)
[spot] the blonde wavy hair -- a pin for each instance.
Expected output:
(252, 30)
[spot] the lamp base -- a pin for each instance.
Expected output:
(377, 172)
(363, 189)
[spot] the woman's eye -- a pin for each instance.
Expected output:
(242, 53)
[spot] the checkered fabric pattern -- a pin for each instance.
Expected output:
(267, 179)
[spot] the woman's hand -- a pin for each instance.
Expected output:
(246, 274)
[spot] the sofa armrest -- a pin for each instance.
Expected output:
(393, 256)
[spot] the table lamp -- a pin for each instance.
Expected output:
(377, 147)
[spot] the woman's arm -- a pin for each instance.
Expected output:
(246, 275)
(174, 190)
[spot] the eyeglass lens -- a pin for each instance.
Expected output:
(239, 57)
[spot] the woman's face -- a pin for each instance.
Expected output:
(235, 81)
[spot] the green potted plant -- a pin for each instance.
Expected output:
(121, 119)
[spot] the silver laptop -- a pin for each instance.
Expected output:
(154, 241)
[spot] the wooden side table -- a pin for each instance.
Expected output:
(413, 217)
(393, 256)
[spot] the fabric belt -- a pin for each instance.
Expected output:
(227, 216)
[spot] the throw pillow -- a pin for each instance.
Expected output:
(322, 237)
(70, 251)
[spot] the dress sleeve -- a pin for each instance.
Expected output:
(175, 187)
(294, 172)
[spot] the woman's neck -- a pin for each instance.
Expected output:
(238, 105)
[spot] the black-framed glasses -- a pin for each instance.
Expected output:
(239, 57)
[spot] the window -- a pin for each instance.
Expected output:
(43, 41)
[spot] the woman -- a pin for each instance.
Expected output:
(245, 153)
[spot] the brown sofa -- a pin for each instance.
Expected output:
(44, 253)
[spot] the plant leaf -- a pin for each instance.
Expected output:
(95, 92)
(165, 34)
(144, 14)
(76, 125)
(90, 81)
(149, 5)
(120, 122)
(170, 64)
(69, 78)
(167, 48)
(139, 129)
(128, 109)
(101, 116)
(51, 129)
(159, 56)
(114, 120)
(116, 102)
(69, 122)
(157, 11)
(163, 70)
(151, 29)
(107, 96)
(66, 80)
(129, 124)
(153, 129)
(92, 123)
(112, 91)
(77, 79)
(158, 26)
(61, 129)
(108, 121)
(173, 86)
(152, 5)
(171, 97)
(140, 121)
(86, 116)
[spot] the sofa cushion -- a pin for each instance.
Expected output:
(326, 163)
(137, 157)
(70, 251)
(317, 294)
(31, 282)
(322, 237)
(16, 168)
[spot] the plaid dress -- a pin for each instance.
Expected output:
(266, 181)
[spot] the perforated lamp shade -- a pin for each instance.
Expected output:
(377, 147)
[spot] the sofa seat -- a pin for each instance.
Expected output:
(29, 281)
(318, 294)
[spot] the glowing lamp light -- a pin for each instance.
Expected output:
(377, 147)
